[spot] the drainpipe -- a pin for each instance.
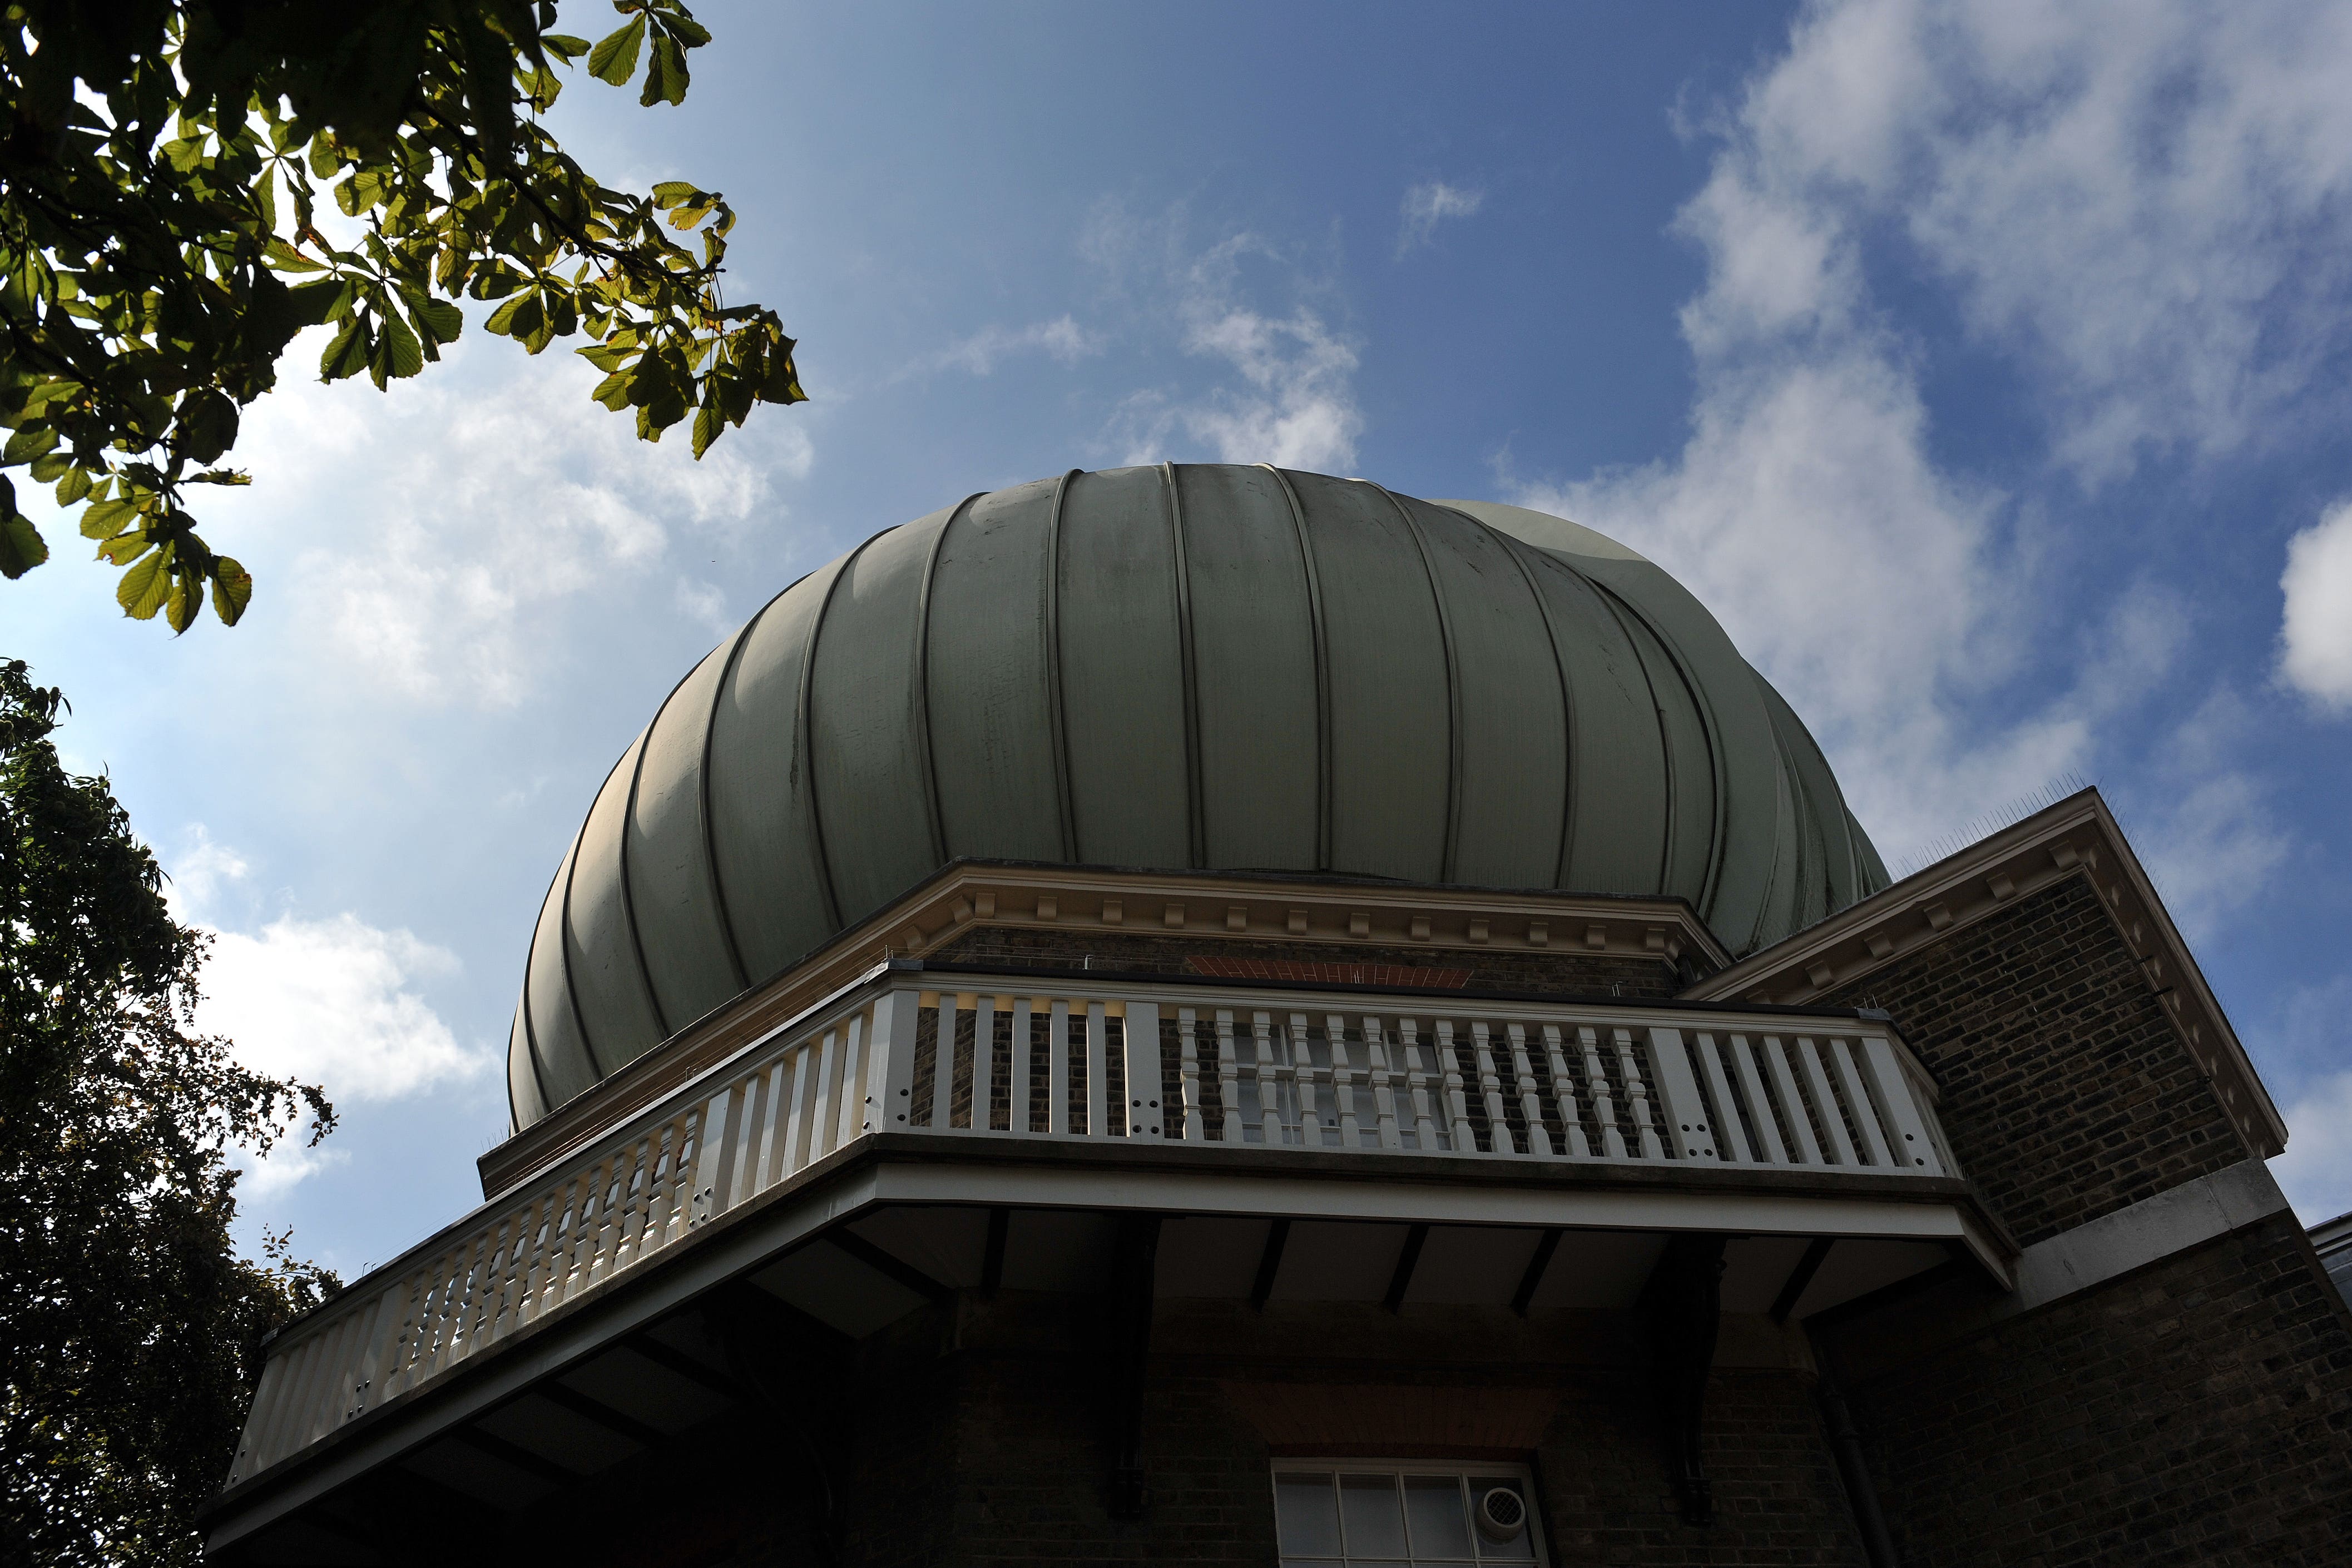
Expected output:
(1854, 1468)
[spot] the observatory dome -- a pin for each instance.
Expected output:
(1184, 666)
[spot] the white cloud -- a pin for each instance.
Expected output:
(2316, 633)
(1294, 403)
(333, 1002)
(200, 872)
(2153, 208)
(2306, 1045)
(1428, 205)
(1062, 340)
(2097, 206)
(429, 536)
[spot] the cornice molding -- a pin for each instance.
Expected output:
(1209, 907)
(2074, 837)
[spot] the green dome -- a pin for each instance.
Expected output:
(1203, 667)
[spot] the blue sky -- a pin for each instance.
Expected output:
(1986, 370)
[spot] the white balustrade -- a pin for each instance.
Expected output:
(1381, 1075)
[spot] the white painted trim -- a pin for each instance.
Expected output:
(2148, 1231)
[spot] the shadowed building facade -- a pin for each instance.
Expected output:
(1222, 1014)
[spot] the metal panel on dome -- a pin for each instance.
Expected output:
(988, 693)
(1512, 714)
(1124, 685)
(1686, 854)
(1616, 758)
(566, 1067)
(1257, 683)
(688, 954)
(525, 1102)
(773, 891)
(608, 977)
(867, 748)
(1392, 732)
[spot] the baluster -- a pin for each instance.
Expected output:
(800, 1112)
(1729, 1137)
(1466, 1137)
(537, 1245)
(823, 1112)
(601, 1219)
(667, 1154)
(1343, 1082)
(1490, 1089)
(983, 1065)
(943, 1063)
(1605, 1107)
(1229, 1079)
(1809, 1063)
(765, 1154)
(1637, 1094)
(1768, 1135)
(1530, 1096)
(1057, 1070)
(1145, 1073)
(1016, 1118)
(1784, 1085)
(1302, 1073)
(1188, 1069)
(1563, 1093)
(1269, 1080)
(1899, 1104)
(1376, 1051)
(1098, 1070)
(1866, 1121)
(1425, 1126)
(854, 1094)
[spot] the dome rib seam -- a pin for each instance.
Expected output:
(709, 825)
(1056, 719)
(1453, 725)
(564, 937)
(1570, 744)
(628, 832)
(1196, 826)
(926, 765)
(804, 716)
(1322, 672)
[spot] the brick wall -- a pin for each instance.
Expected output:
(2066, 1092)
(1566, 972)
(2199, 1411)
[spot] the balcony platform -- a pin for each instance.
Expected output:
(1411, 1150)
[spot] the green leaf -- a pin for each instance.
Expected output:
(232, 590)
(318, 301)
(73, 487)
(125, 548)
(144, 587)
(708, 422)
(403, 356)
(564, 45)
(27, 444)
(180, 607)
(104, 519)
(21, 546)
(665, 81)
(688, 31)
(614, 58)
(437, 318)
(265, 197)
(348, 354)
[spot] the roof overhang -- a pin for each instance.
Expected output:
(2076, 837)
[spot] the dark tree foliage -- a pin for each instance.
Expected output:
(161, 240)
(130, 1326)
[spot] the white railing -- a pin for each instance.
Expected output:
(1110, 1059)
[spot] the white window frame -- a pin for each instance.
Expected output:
(1470, 1468)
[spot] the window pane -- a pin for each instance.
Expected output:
(1306, 1515)
(1375, 1523)
(1440, 1529)
(1511, 1508)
